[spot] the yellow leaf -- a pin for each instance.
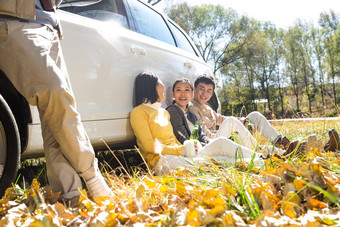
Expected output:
(101, 199)
(232, 219)
(163, 188)
(89, 205)
(151, 183)
(193, 218)
(292, 197)
(112, 220)
(35, 184)
(288, 209)
(168, 180)
(326, 221)
(122, 218)
(83, 196)
(314, 203)
(180, 188)
(132, 206)
(310, 155)
(298, 184)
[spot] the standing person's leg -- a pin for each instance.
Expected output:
(232, 125)
(42, 80)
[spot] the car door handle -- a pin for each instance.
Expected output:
(188, 65)
(138, 50)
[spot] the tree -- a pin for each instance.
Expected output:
(219, 33)
(307, 71)
(267, 59)
(319, 53)
(330, 24)
(293, 61)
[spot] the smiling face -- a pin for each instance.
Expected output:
(182, 94)
(160, 91)
(203, 93)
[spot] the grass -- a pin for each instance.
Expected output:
(299, 190)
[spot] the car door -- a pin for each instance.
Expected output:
(103, 58)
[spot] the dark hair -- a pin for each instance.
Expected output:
(206, 79)
(183, 80)
(145, 88)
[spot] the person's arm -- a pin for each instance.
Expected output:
(204, 139)
(177, 123)
(219, 118)
(140, 125)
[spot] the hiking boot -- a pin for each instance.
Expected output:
(97, 187)
(282, 143)
(290, 150)
(333, 142)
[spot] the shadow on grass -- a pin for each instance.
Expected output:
(129, 159)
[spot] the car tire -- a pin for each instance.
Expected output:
(9, 147)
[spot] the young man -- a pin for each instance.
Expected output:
(31, 58)
(204, 87)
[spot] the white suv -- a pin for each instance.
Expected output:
(106, 45)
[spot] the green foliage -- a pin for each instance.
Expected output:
(296, 69)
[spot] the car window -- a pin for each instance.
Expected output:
(105, 16)
(105, 10)
(182, 41)
(150, 23)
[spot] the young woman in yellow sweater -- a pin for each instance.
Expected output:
(155, 137)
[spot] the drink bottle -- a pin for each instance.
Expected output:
(194, 134)
(250, 126)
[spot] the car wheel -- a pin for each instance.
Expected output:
(9, 146)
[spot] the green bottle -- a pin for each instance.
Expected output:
(194, 134)
(250, 126)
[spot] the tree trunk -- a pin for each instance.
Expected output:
(297, 102)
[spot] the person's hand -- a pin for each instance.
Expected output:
(253, 128)
(247, 124)
(198, 146)
(189, 149)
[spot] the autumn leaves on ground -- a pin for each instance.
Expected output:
(300, 191)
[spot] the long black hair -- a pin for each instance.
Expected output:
(145, 88)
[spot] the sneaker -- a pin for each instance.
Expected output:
(333, 142)
(282, 143)
(97, 187)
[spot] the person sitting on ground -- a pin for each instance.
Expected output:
(182, 120)
(157, 142)
(203, 90)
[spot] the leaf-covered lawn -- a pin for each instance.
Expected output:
(300, 191)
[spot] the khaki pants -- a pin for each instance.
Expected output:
(31, 57)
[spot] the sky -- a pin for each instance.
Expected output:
(283, 13)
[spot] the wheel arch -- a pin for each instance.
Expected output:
(19, 106)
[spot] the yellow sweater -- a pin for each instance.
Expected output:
(151, 125)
